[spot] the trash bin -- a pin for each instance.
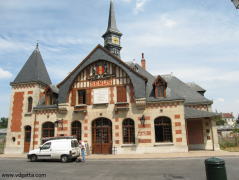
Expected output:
(215, 169)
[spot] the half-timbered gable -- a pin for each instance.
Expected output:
(124, 74)
(100, 75)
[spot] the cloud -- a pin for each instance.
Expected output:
(127, 1)
(220, 100)
(139, 6)
(4, 74)
(183, 29)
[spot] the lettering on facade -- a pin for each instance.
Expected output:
(100, 83)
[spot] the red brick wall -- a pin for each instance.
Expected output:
(17, 110)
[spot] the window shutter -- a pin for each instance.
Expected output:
(88, 96)
(73, 97)
(121, 94)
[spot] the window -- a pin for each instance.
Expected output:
(121, 94)
(76, 130)
(160, 86)
(82, 97)
(128, 131)
(161, 91)
(48, 129)
(29, 107)
(74, 144)
(46, 146)
(163, 129)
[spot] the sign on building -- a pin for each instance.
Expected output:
(101, 95)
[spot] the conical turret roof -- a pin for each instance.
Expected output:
(34, 70)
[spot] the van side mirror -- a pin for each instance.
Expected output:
(40, 147)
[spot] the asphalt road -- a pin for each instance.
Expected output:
(140, 169)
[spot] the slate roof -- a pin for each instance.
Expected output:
(170, 94)
(54, 89)
(112, 27)
(191, 113)
(183, 90)
(176, 90)
(196, 87)
(34, 70)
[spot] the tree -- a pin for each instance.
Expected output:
(220, 121)
(3, 122)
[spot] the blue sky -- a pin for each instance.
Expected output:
(196, 40)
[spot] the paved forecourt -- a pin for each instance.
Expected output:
(120, 169)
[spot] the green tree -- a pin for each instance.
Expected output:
(3, 122)
(220, 121)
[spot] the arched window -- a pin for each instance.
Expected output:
(163, 129)
(48, 129)
(76, 129)
(128, 131)
(29, 107)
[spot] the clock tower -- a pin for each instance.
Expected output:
(112, 35)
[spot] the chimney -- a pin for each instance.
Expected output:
(143, 62)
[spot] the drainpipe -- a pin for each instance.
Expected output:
(34, 125)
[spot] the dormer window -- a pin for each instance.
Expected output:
(160, 86)
(51, 95)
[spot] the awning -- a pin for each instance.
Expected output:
(191, 113)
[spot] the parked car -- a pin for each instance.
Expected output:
(62, 149)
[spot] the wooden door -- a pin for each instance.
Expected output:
(27, 139)
(102, 136)
(195, 132)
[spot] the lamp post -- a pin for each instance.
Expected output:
(142, 120)
(236, 3)
(59, 123)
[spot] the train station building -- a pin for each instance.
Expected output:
(113, 105)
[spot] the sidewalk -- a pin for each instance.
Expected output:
(190, 154)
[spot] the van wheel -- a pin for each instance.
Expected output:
(64, 158)
(33, 158)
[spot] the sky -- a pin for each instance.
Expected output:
(195, 40)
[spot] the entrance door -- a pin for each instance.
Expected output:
(195, 132)
(102, 136)
(27, 139)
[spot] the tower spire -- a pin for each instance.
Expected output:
(112, 21)
(112, 35)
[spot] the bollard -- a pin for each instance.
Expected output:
(215, 169)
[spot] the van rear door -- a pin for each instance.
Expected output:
(75, 147)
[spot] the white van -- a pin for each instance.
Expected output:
(62, 149)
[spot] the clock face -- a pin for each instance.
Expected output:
(115, 40)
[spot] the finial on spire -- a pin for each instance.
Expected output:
(37, 45)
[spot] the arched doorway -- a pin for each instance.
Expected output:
(27, 138)
(102, 136)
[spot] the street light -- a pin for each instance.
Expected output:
(236, 3)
